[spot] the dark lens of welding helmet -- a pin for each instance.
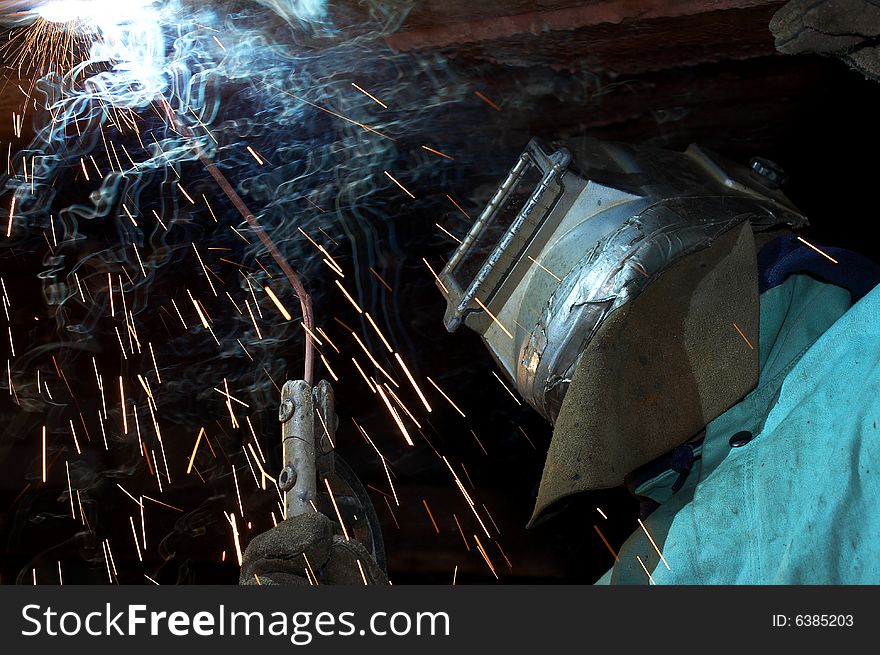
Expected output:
(483, 270)
(500, 222)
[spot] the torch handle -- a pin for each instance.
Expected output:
(298, 478)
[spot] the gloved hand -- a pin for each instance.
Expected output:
(845, 28)
(276, 557)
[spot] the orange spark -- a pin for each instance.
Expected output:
(336, 507)
(437, 152)
(370, 96)
(487, 101)
(442, 393)
(807, 243)
(493, 317)
(405, 190)
(743, 336)
(277, 302)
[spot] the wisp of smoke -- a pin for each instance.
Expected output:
(137, 230)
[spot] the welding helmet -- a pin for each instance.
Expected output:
(616, 287)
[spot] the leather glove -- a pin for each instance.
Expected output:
(278, 556)
(845, 28)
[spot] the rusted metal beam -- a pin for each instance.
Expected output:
(441, 34)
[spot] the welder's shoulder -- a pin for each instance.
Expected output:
(798, 502)
(806, 506)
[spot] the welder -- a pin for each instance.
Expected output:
(663, 312)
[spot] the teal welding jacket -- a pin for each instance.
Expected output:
(800, 502)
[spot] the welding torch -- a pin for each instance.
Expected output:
(307, 417)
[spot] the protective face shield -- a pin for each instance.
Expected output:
(616, 286)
